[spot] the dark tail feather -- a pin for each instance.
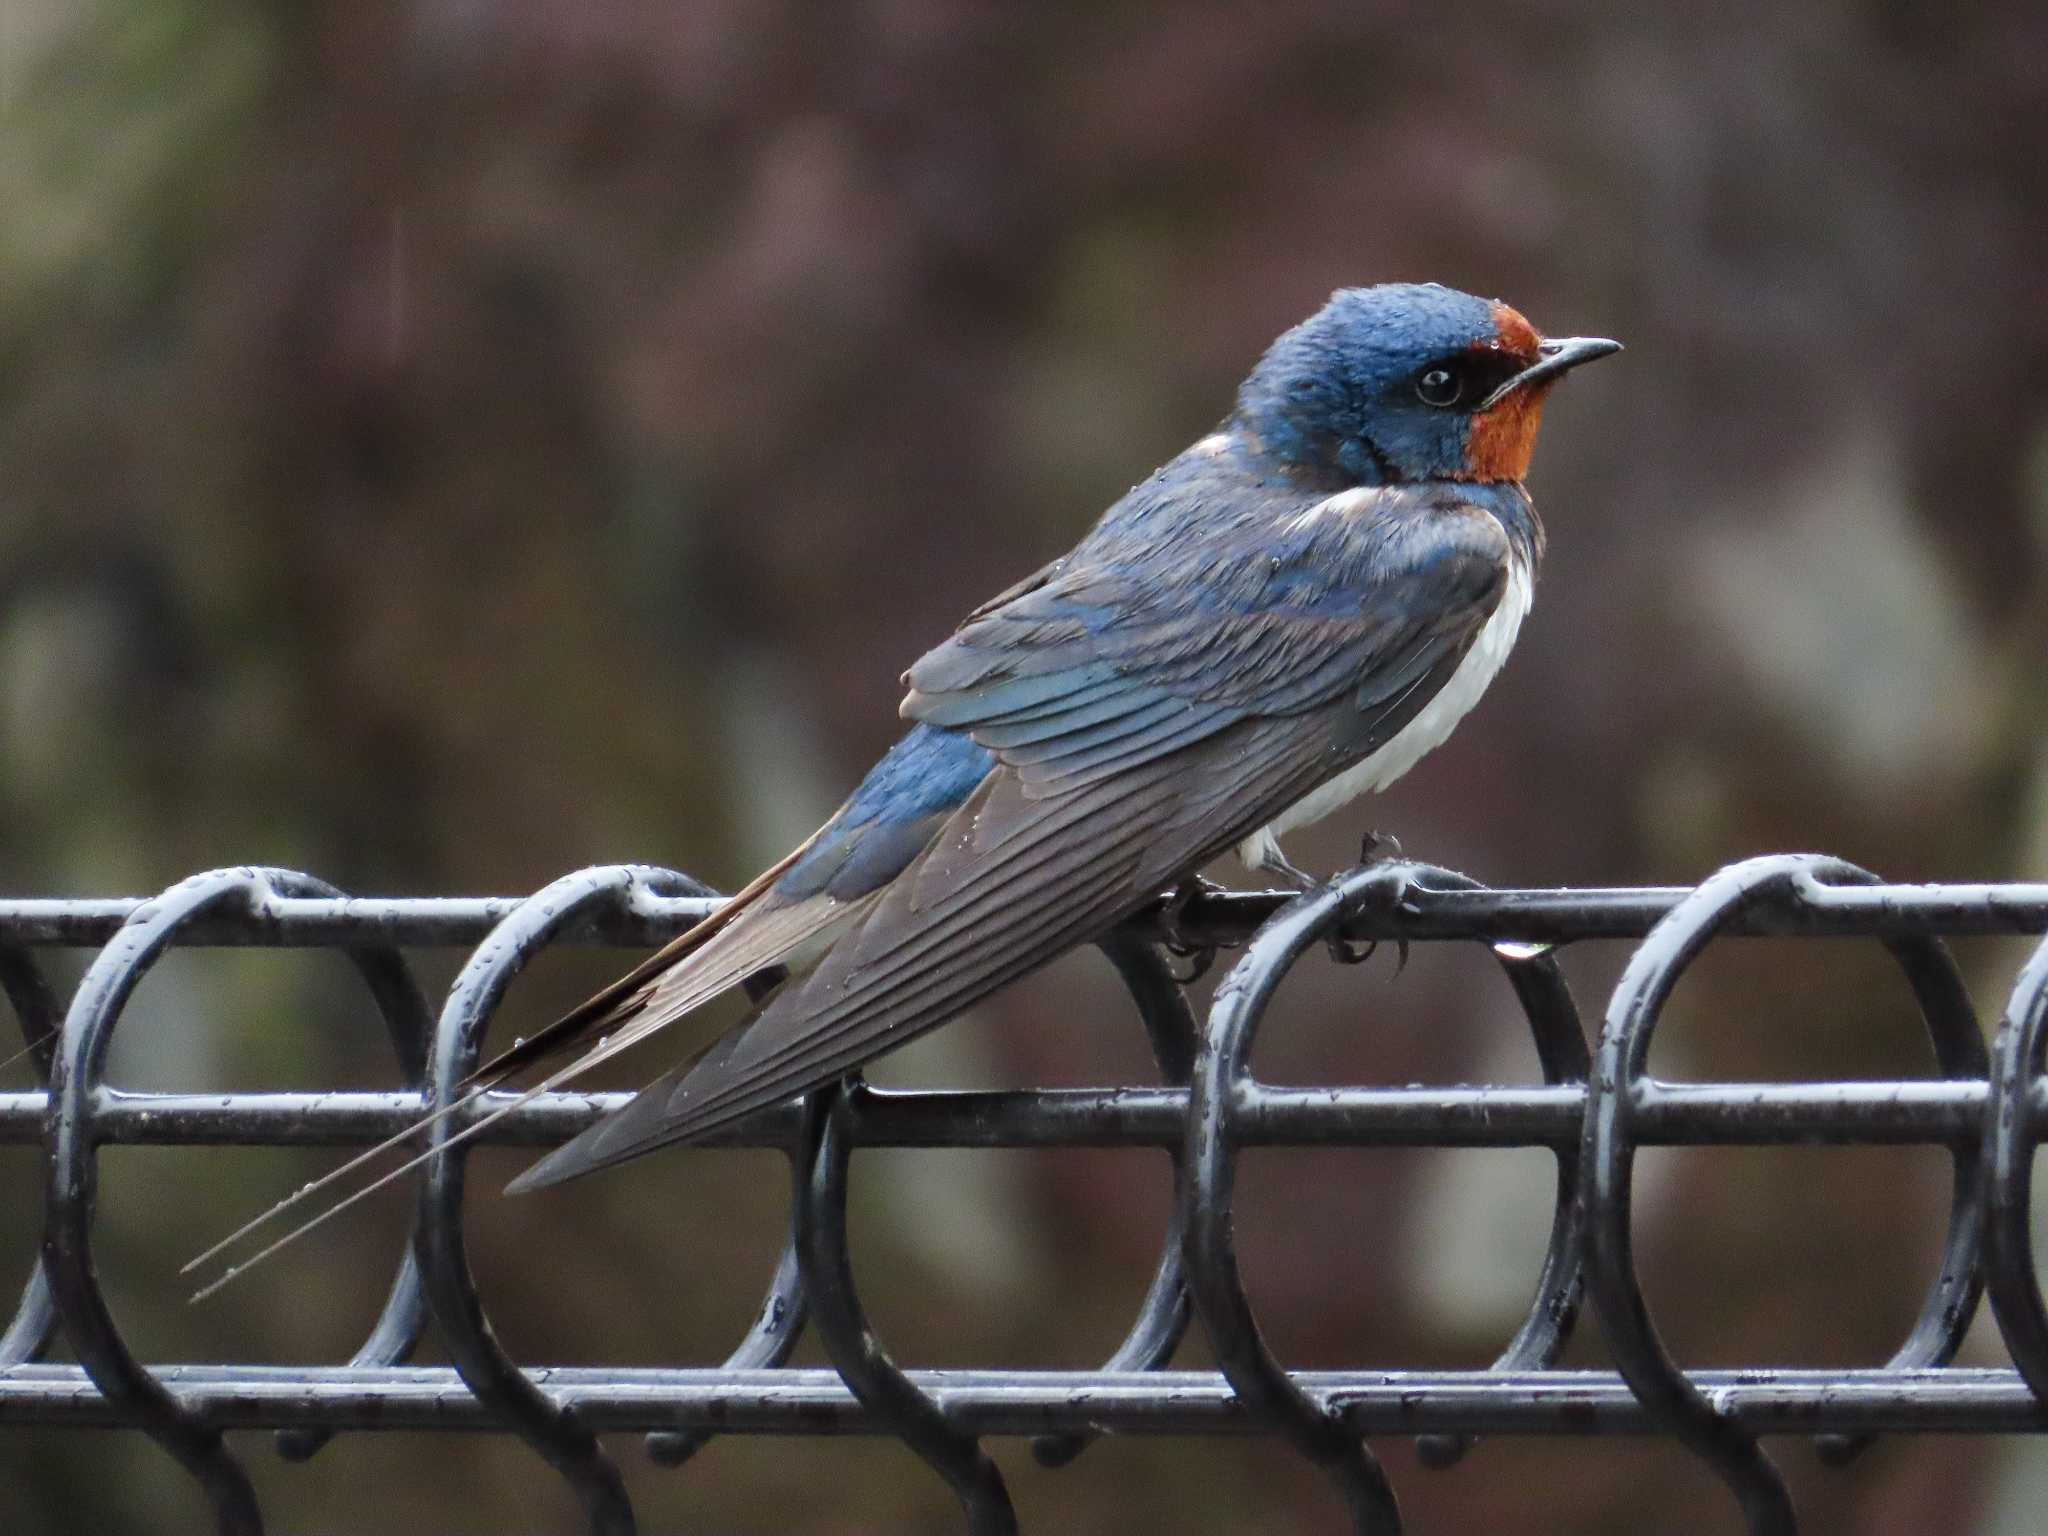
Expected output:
(622, 1000)
(626, 1133)
(619, 1002)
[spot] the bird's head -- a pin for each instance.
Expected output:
(1407, 382)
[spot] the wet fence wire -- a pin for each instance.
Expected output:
(1595, 1108)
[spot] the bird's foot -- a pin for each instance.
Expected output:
(1196, 956)
(1273, 862)
(1376, 847)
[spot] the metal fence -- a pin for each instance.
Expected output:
(1594, 1109)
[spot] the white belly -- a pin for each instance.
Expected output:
(1432, 723)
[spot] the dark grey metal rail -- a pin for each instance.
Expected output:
(1594, 1108)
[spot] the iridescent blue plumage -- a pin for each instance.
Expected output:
(1336, 394)
(920, 781)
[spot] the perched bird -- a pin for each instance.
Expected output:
(1287, 615)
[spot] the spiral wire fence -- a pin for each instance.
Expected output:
(1594, 1109)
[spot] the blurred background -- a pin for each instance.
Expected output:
(443, 444)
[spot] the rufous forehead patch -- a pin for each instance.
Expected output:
(1517, 336)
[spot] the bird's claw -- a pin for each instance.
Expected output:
(1356, 952)
(1289, 873)
(1195, 955)
(1346, 952)
(1375, 848)
(1378, 847)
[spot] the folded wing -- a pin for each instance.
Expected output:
(1142, 715)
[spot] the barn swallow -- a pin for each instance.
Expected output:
(1287, 615)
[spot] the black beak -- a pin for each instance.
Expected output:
(1558, 356)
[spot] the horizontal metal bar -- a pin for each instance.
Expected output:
(1912, 1111)
(617, 1399)
(1562, 916)
(313, 922)
(1229, 917)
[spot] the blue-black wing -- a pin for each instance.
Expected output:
(1104, 663)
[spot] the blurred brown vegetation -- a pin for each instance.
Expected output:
(443, 444)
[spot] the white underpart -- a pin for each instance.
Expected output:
(1432, 723)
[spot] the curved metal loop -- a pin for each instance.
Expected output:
(473, 1348)
(1607, 1167)
(73, 1179)
(1562, 1056)
(1220, 1087)
(35, 1320)
(35, 1006)
(1607, 1153)
(1959, 1051)
(2015, 1282)
(409, 1021)
(820, 1175)
(783, 1312)
(35, 1011)
(1162, 1319)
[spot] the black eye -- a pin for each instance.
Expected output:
(1440, 386)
